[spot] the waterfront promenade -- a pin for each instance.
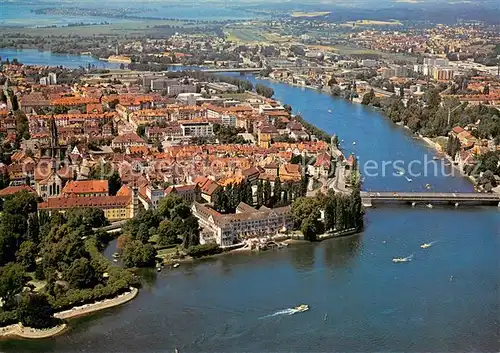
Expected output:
(18, 330)
(100, 305)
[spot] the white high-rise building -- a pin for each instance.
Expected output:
(52, 78)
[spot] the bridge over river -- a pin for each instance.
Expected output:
(470, 198)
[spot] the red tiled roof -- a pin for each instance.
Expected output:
(86, 186)
(86, 201)
(128, 138)
(9, 190)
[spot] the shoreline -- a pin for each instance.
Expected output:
(20, 331)
(86, 309)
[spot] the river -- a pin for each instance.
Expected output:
(445, 300)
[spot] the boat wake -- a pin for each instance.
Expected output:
(402, 259)
(289, 311)
(428, 245)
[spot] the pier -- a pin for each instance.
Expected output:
(452, 198)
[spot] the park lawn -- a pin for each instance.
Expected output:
(245, 35)
(39, 285)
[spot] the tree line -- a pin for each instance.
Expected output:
(226, 199)
(340, 212)
(172, 223)
(429, 116)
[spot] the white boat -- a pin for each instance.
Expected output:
(301, 308)
(176, 265)
(400, 259)
(435, 158)
(329, 110)
(429, 205)
(354, 143)
(158, 268)
(426, 245)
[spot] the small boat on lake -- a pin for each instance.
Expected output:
(301, 308)
(176, 265)
(426, 245)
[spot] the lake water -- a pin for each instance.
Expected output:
(445, 300)
(46, 58)
(20, 15)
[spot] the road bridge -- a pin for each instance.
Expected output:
(371, 198)
(240, 70)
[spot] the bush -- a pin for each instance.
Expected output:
(8, 318)
(203, 250)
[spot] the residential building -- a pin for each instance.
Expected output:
(196, 128)
(115, 208)
(188, 193)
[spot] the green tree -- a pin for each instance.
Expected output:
(267, 192)
(90, 217)
(264, 90)
(21, 203)
(168, 204)
(81, 274)
(368, 97)
(12, 280)
(137, 254)
(277, 192)
(26, 255)
(35, 311)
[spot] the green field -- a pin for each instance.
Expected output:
(131, 27)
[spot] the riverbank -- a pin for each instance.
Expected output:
(20, 331)
(86, 309)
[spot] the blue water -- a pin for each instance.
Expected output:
(46, 58)
(20, 15)
(445, 300)
(378, 142)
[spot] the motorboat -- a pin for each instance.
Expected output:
(158, 268)
(354, 142)
(176, 265)
(400, 259)
(435, 158)
(115, 260)
(329, 110)
(429, 205)
(116, 255)
(301, 308)
(400, 172)
(428, 186)
(426, 245)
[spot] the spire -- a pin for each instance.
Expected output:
(54, 140)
